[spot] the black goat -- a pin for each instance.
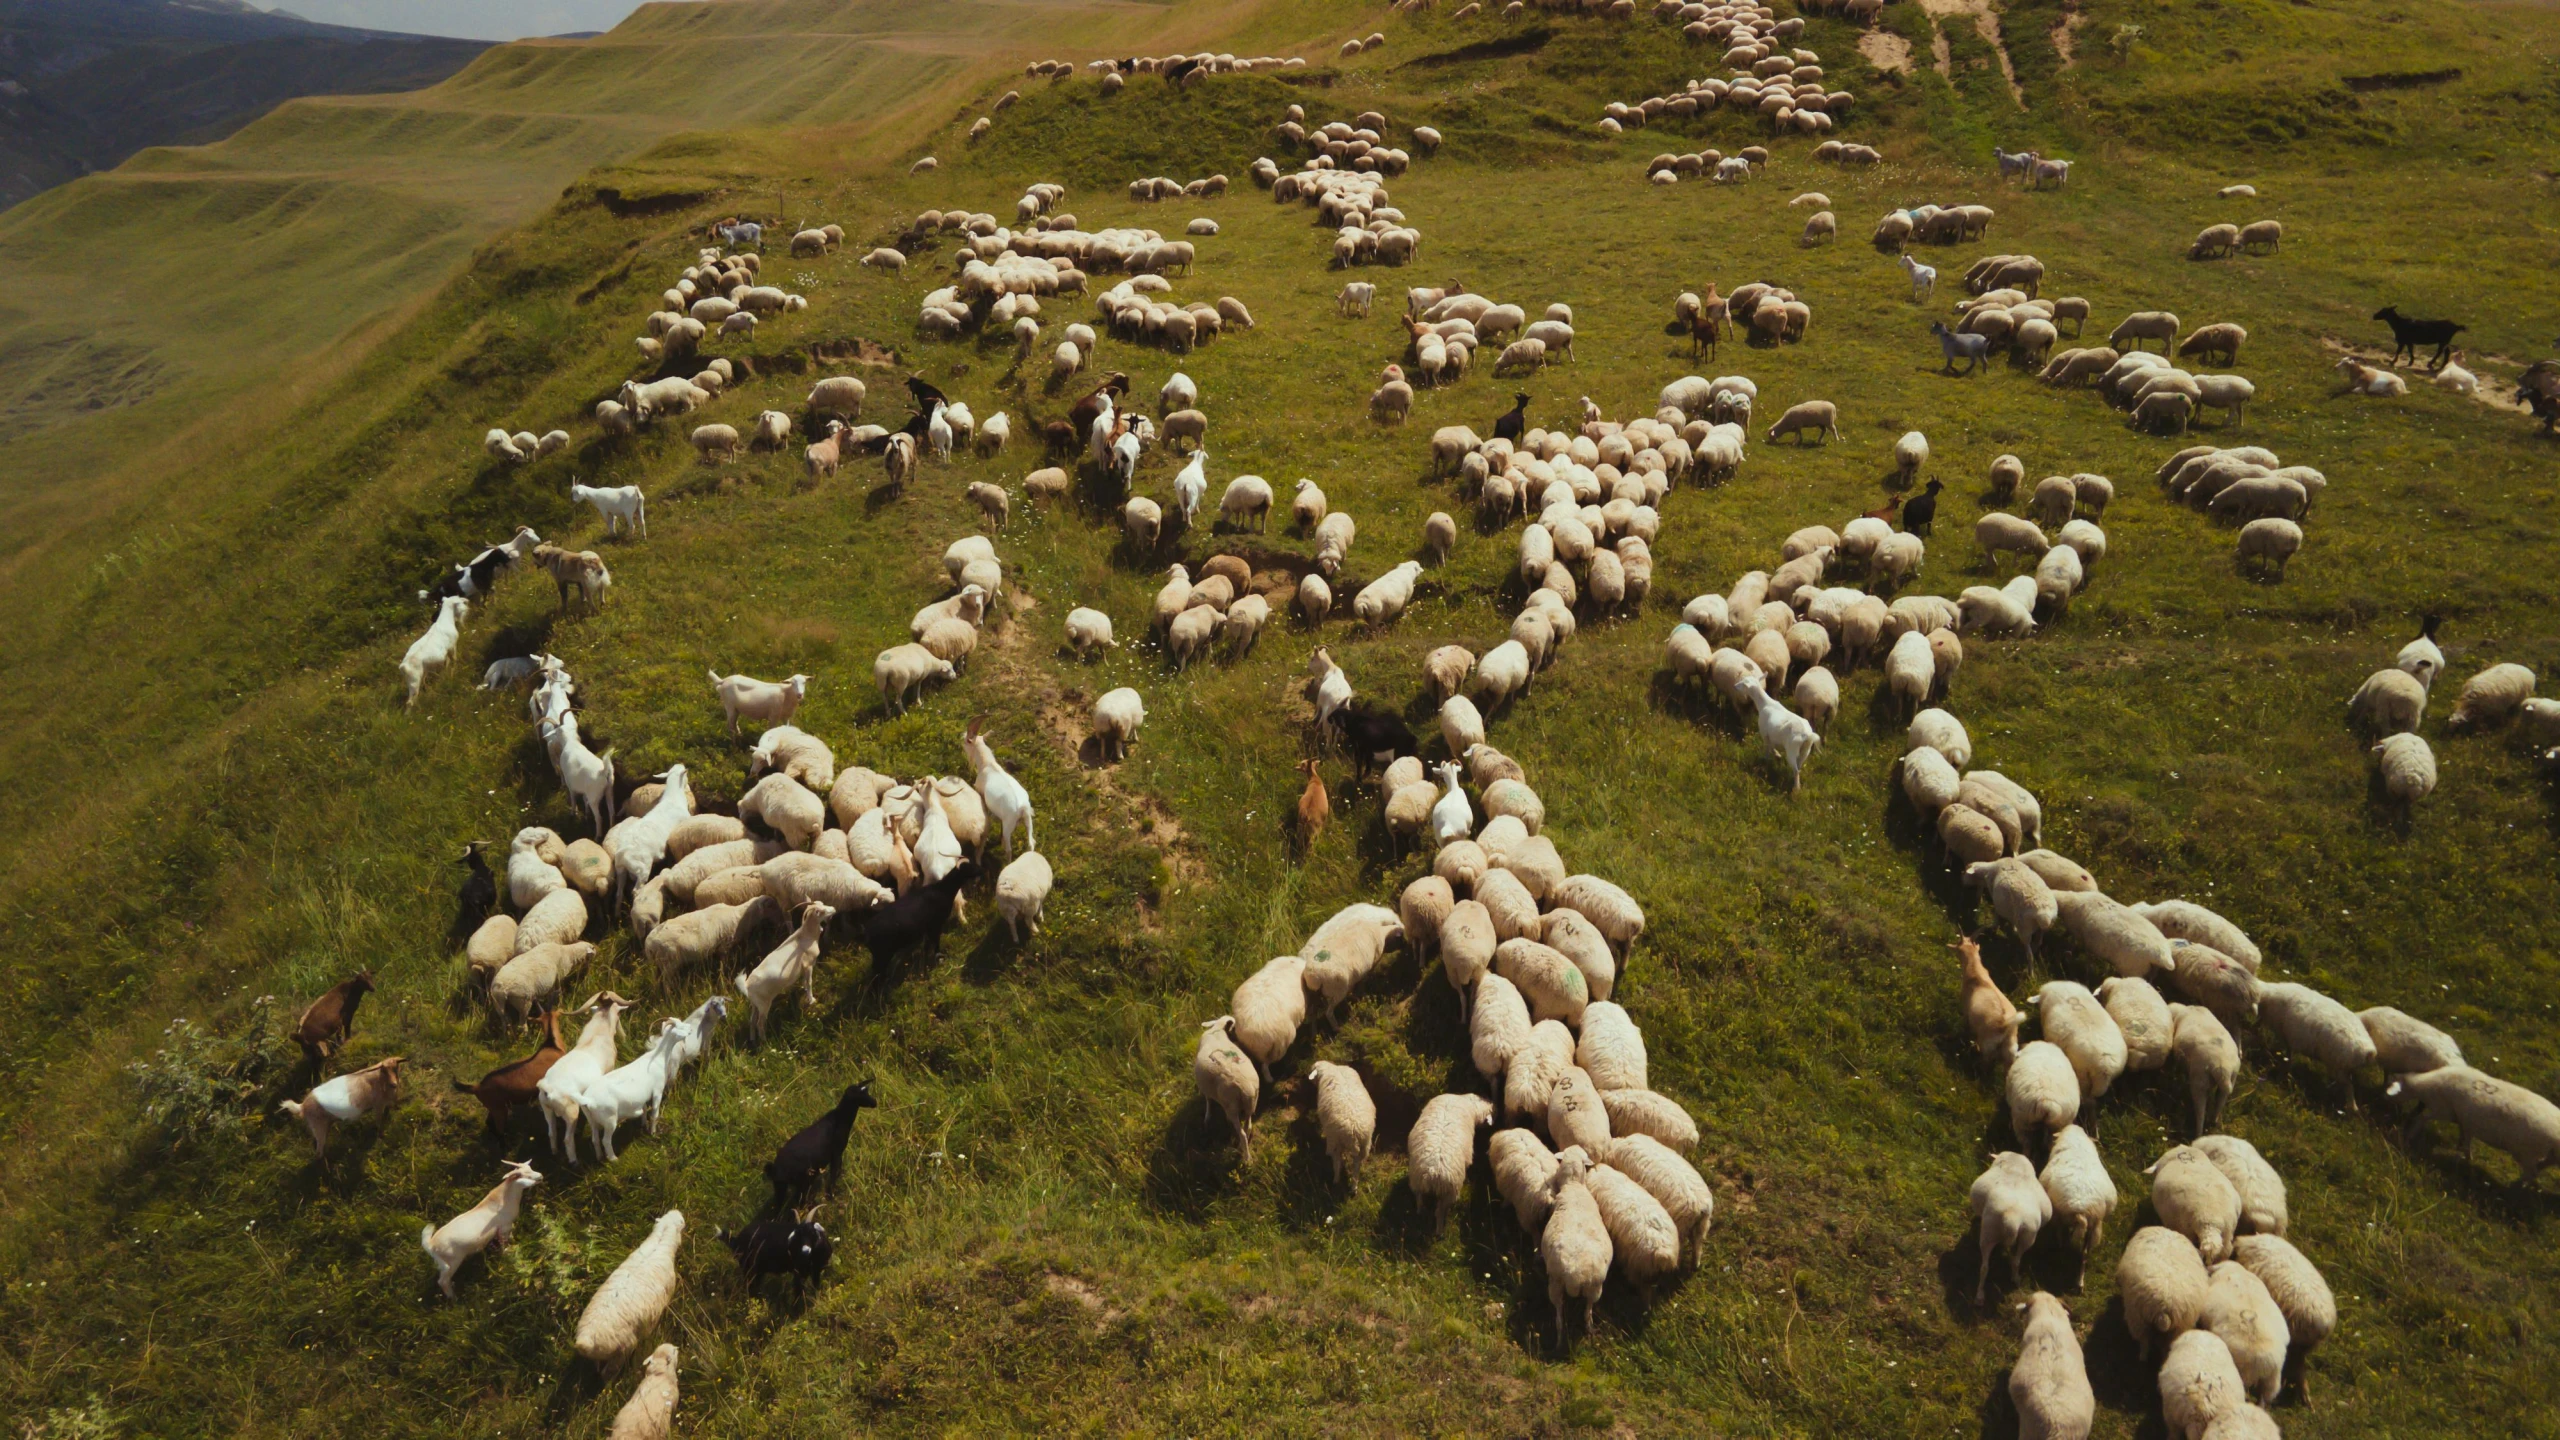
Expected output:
(479, 888)
(477, 577)
(2407, 335)
(1513, 420)
(1921, 510)
(819, 1147)
(917, 916)
(1373, 738)
(795, 1245)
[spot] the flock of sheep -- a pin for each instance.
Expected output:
(1592, 1159)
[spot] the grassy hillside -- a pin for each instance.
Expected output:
(222, 799)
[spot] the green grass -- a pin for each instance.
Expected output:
(222, 798)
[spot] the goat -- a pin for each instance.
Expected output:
(479, 888)
(1315, 804)
(591, 1057)
(629, 1092)
(819, 1147)
(1005, 797)
(513, 1084)
(916, 917)
(479, 575)
(1974, 349)
(794, 960)
(772, 701)
(349, 1097)
(487, 1224)
(1513, 420)
(2407, 335)
(331, 1020)
(1372, 738)
(797, 1247)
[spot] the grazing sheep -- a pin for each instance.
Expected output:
(1574, 1247)
(2212, 1060)
(650, 1413)
(1643, 1236)
(2308, 1022)
(2194, 1198)
(1441, 1147)
(2240, 1312)
(2483, 1107)
(2010, 1207)
(1820, 417)
(1346, 1115)
(627, 1306)
(2162, 1284)
(1523, 1168)
(2075, 1179)
(1226, 1081)
(2407, 767)
(2072, 1019)
(2116, 934)
(2049, 1383)
(2142, 1017)
(2300, 1293)
(2406, 1045)
(2492, 697)
(2199, 1384)
(2263, 1209)
(2043, 1092)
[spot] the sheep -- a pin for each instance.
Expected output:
(2162, 1284)
(1226, 1081)
(785, 807)
(1345, 1115)
(1820, 417)
(2072, 1019)
(2010, 1207)
(650, 1413)
(2407, 768)
(2141, 1017)
(2307, 1021)
(2049, 1383)
(2300, 1293)
(2262, 1196)
(528, 979)
(491, 1222)
(2212, 1060)
(2186, 920)
(2198, 1382)
(2194, 1198)
(2389, 702)
(2483, 1107)
(2406, 1045)
(1910, 671)
(1441, 1147)
(2043, 1092)
(2491, 697)
(628, 1304)
(2019, 895)
(1384, 599)
(902, 671)
(1523, 1169)
(1574, 1246)
(1345, 948)
(1610, 909)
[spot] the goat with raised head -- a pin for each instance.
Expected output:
(819, 1147)
(349, 1097)
(513, 1084)
(484, 1226)
(796, 1245)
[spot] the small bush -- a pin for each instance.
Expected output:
(204, 1080)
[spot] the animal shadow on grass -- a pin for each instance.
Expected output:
(1194, 1163)
(2121, 1379)
(521, 639)
(1999, 1414)
(1671, 695)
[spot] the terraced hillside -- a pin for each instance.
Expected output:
(220, 796)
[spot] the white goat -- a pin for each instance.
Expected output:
(432, 650)
(488, 1223)
(793, 962)
(1005, 796)
(628, 1091)
(622, 507)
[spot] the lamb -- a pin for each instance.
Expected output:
(2483, 1107)
(2300, 1294)
(434, 649)
(2049, 1384)
(2198, 1382)
(491, 1222)
(2162, 1284)
(628, 1304)
(2194, 1198)
(1346, 1115)
(2492, 697)
(2406, 1045)
(794, 961)
(1440, 1149)
(1988, 1015)
(2407, 768)
(2043, 1092)
(1574, 1247)
(1226, 1081)
(351, 1096)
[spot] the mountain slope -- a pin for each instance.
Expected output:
(216, 794)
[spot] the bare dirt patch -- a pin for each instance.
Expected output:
(1885, 50)
(1986, 23)
(2495, 391)
(2066, 36)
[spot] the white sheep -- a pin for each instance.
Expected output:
(1089, 630)
(2212, 1060)
(628, 1304)
(901, 672)
(2198, 1384)
(1226, 1081)
(1574, 1246)
(2142, 1017)
(491, 1222)
(2262, 1197)
(2049, 1384)
(2162, 1284)
(1523, 1169)
(2308, 1022)
(1022, 888)
(2011, 1207)
(2295, 1284)
(2194, 1198)
(1441, 1147)
(2407, 766)
(1345, 1115)
(2492, 697)
(2073, 1019)
(2075, 1179)
(2483, 1107)
(1909, 454)
(2043, 1092)
(2406, 1045)
(650, 1413)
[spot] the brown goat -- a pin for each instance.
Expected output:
(349, 1097)
(331, 1019)
(1315, 804)
(510, 1085)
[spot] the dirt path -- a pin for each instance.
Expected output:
(1986, 23)
(1885, 50)
(2066, 36)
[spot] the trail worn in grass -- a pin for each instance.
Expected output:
(218, 795)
